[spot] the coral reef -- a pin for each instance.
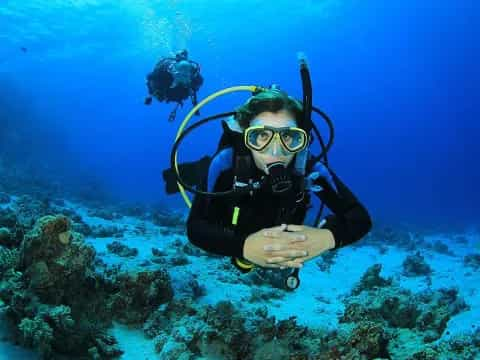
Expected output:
(53, 301)
(387, 235)
(122, 250)
(472, 260)
(104, 214)
(101, 231)
(222, 331)
(415, 265)
(326, 260)
(4, 198)
(420, 318)
(60, 298)
(371, 280)
(134, 296)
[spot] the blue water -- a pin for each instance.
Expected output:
(398, 78)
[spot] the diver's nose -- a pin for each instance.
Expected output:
(275, 148)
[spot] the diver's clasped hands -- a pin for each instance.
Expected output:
(286, 245)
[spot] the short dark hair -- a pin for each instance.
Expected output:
(272, 100)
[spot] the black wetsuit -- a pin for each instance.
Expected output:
(210, 221)
(160, 80)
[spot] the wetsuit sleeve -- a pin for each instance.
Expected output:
(350, 220)
(208, 224)
(211, 236)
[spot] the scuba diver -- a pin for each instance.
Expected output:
(174, 79)
(253, 196)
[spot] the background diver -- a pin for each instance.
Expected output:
(174, 79)
(264, 165)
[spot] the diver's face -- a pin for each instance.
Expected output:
(275, 151)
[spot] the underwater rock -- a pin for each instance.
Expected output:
(4, 198)
(191, 250)
(71, 214)
(54, 259)
(137, 295)
(460, 239)
(209, 331)
(188, 286)
(261, 295)
(8, 218)
(29, 209)
(442, 248)
(119, 249)
(106, 347)
(11, 232)
(326, 260)
(158, 252)
(273, 350)
(370, 340)
(102, 231)
(36, 334)
(170, 224)
(170, 349)
(472, 260)
(9, 259)
(5, 237)
(165, 316)
(229, 329)
(415, 265)
(137, 210)
(82, 228)
(223, 331)
(197, 290)
(405, 343)
(371, 279)
(179, 259)
(355, 312)
(145, 263)
(388, 235)
(103, 214)
(400, 311)
(437, 308)
(420, 317)
(388, 305)
(54, 298)
(141, 229)
(462, 346)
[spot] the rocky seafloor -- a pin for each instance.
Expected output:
(90, 281)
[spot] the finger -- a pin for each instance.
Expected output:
(276, 260)
(275, 231)
(293, 238)
(272, 266)
(293, 227)
(291, 264)
(291, 254)
(278, 228)
(274, 247)
(272, 233)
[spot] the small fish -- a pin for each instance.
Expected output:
(24, 49)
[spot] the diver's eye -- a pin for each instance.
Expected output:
(263, 136)
(287, 138)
